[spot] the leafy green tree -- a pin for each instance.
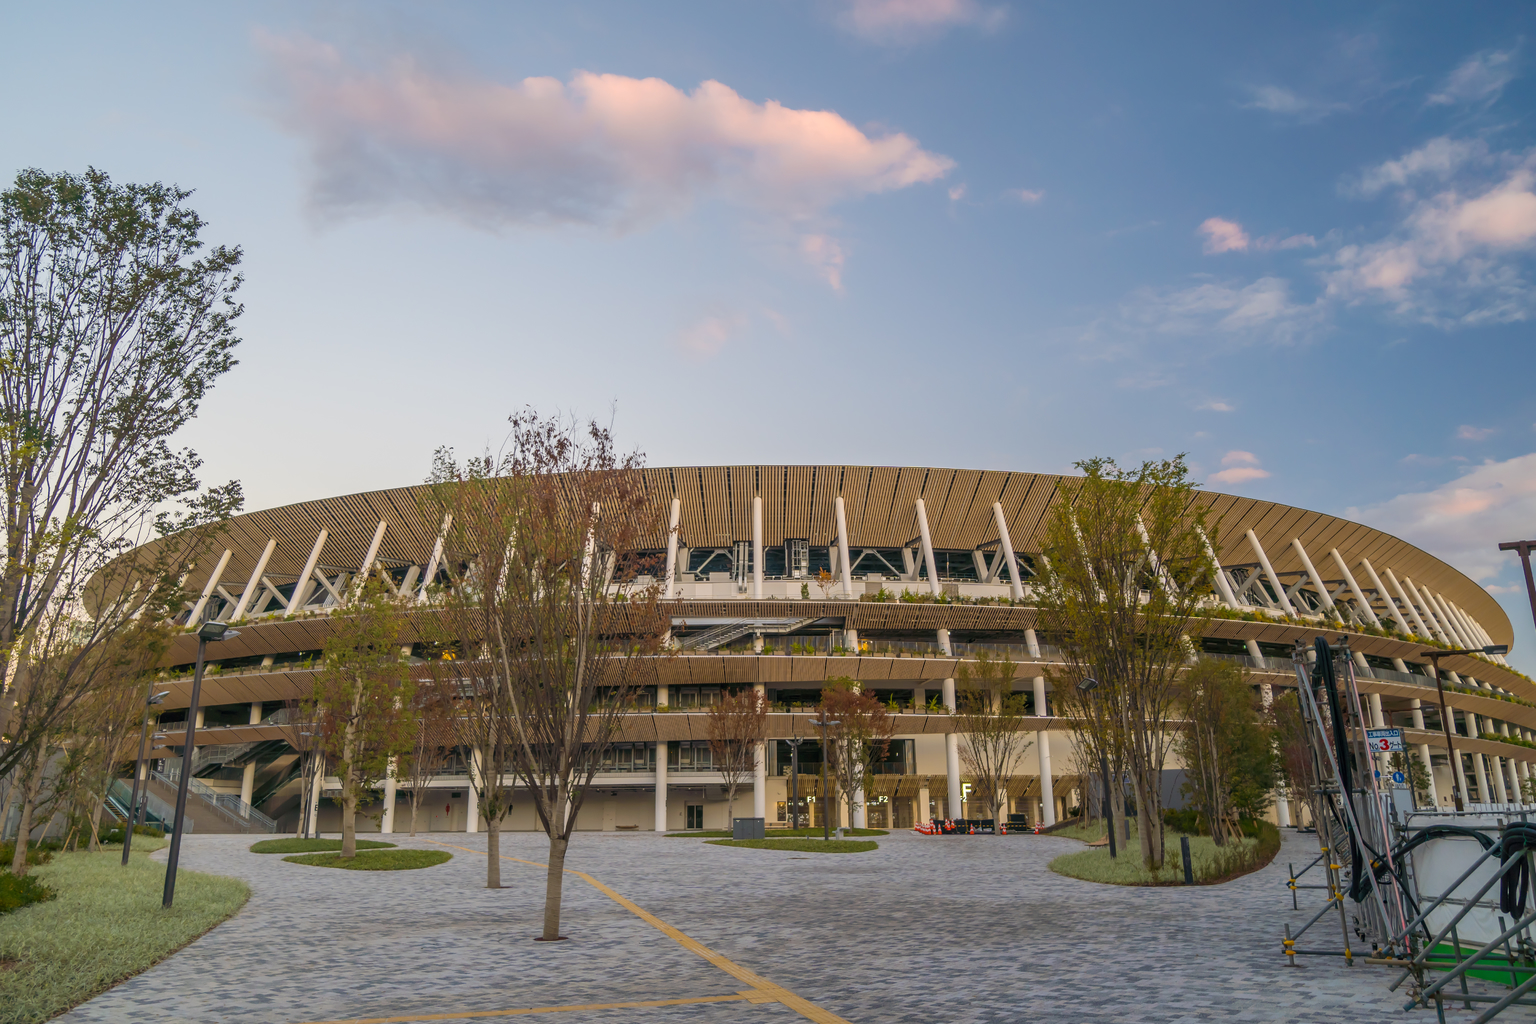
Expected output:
(1227, 747)
(857, 742)
(115, 321)
(362, 698)
(1126, 575)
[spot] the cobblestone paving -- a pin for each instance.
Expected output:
(961, 929)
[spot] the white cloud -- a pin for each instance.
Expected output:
(709, 335)
(826, 255)
(1454, 258)
(1216, 405)
(906, 21)
(601, 149)
(1479, 79)
(1284, 102)
(957, 192)
(1466, 432)
(1029, 196)
(1241, 467)
(1438, 158)
(1223, 236)
(1463, 520)
(1260, 311)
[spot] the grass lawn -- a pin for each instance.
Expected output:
(105, 925)
(375, 860)
(774, 833)
(1210, 862)
(292, 845)
(804, 845)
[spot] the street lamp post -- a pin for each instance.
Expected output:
(150, 700)
(1524, 548)
(208, 631)
(1445, 716)
(826, 823)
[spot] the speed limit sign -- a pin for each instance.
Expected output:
(1384, 741)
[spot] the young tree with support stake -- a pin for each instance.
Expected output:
(546, 610)
(990, 719)
(736, 726)
(1227, 749)
(363, 693)
(431, 741)
(857, 742)
(1127, 573)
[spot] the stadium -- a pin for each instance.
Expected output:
(781, 577)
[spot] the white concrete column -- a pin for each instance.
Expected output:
(1354, 588)
(1282, 811)
(1447, 620)
(213, 581)
(1417, 709)
(757, 547)
(1477, 761)
(927, 542)
(1523, 773)
(1043, 753)
(1496, 769)
(476, 775)
(952, 755)
(1269, 573)
(1428, 608)
(1223, 584)
(1016, 585)
(430, 576)
(247, 782)
(842, 546)
(314, 797)
(255, 582)
(1386, 595)
(1377, 721)
(1317, 581)
(924, 814)
(296, 600)
(661, 786)
(670, 582)
(661, 694)
(760, 770)
(1413, 613)
(368, 559)
(860, 816)
(387, 822)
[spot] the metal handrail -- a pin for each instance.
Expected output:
(232, 807)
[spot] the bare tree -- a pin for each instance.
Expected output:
(991, 721)
(859, 739)
(1128, 572)
(431, 742)
(305, 734)
(114, 324)
(736, 726)
(547, 610)
(361, 692)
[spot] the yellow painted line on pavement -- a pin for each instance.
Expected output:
(522, 1012)
(775, 992)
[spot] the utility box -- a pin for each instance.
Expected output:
(747, 828)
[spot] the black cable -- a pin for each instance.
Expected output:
(1519, 838)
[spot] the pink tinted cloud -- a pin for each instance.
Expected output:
(1241, 466)
(894, 21)
(599, 149)
(1223, 236)
(1028, 196)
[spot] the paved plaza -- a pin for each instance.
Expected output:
(960, 929)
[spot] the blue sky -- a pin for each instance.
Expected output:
(1293, 240)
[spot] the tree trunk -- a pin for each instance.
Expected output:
(10, 801)
(1149, 814)
(28, 802)
(415, 803)
(492, 852)
(553, 883)
(730, 809)
(349, 819)
(1116, 811)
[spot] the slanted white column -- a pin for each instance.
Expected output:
(1222, 583)
(760, 770)
(1429, 612)
(927, 541)
(842, 546)
(1413, 612)
(213, 581)
(1317, 581)
(296, 601)
(661, 786)
(369, 558)
(476, 775)
(1456, 628)
(670, 581)
(1386, 595)
(1015, 584)
(757, 547)
(255, 582)
(387, 822)
(437, 556)
(1269, 573)
(1354, 588)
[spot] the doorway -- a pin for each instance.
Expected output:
(693, 815)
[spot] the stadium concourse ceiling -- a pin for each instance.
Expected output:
(798, 503)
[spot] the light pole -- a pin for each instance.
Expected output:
(794, 781)
(208, 631)
(150, 700)
(1524, 547)
(1445, 716)
(826, 823)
